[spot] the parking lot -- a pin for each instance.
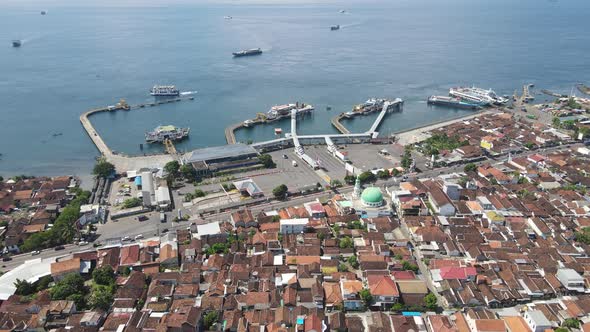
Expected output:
(367, 156)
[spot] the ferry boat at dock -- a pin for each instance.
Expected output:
(477, 95)
(254, 51)
(373, 105)
(162, 133)
(17, 43)
(281, 111)
(164, 90)
(453, 102)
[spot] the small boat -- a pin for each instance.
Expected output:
(17, 43)
(164, 90)
(57, 134)
(342, 11)
(335, 27)
(43, 12)
(328, 108)
(278, 131)
(227, 17)
(253, 51)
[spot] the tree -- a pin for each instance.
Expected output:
(172, 169)
(71, 284)
(571, 323)
(342, 267)
(407, 161)
(101, 297)
(407, 266)
(556, 122)
(562, 329)
(267, 161)
(210, 319)
(44, 282)
(103, 275)
(346, 242)
(132, 202)
(103, 168)
(188, 172)
(23, 287)
(199, 193)
(471, 167)
(367, 177)
(383, 174)
(397, 307)
(349, 179)
(353, 261)
(280, 192)
(335, 183)
(430, 301)
(366, 296)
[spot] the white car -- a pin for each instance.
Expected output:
(82, 243)
(35, 253)
(139, 236)
(126, 238)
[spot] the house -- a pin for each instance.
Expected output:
(253, 300)
(243, 218)
(182, 321)
(293, 226)
(315, 210)
(332, 295)
(60, 269)
(536, 320)
(440, 202)
(571, 280)
(248, 188)
(169, 250)
(412, 292)
(384, 291)
(350, 294)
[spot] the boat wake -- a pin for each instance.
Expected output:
(188, 93)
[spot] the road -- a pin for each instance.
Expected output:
(153, 227)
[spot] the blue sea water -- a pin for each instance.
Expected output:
(83, 55)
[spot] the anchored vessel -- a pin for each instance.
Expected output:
(477, 95)
(374, 105)
(164, 90)
(453, 102)
(281, 111)
(17, 43)
(254, 51)
(162, 133)
(335, 27)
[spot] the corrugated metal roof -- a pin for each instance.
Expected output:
(219, 152)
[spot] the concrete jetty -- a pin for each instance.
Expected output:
(338, 125)
(124, 162)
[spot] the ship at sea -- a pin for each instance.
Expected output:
(254, 51)
(375, 105)
(164, 90)
(162, 133)
(453, 102)
(477, 95)
(17, 43)
(335, 27)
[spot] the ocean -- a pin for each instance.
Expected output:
(82, 56)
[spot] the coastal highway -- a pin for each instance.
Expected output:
(112, 231)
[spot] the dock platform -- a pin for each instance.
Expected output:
(338, 125)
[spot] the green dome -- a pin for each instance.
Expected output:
(372, 195)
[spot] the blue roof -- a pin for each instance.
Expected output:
(138, 180)
(411, 313)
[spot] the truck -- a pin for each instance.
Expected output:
(162, 217)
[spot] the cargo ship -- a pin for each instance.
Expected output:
(17, 43)
(375, 105)
(254, 51)
(164, 90)
(162, 133)
(477, 95)
(453, 102)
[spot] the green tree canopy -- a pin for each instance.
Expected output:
(267, 161)
(471, 167)
(188, 172)
(101, 297)
(367, 177)
(366, 296)
(346, 242)
(71, 284)
(430, 301)
(280, 192)
(132, 202)
(172, 168)
(103, 168)
(210, 319)
(103, 275)
(24, 287)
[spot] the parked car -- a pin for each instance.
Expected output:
(165, 230)
(35, 253)
(59, 248)
(285, 156)
(162, 217)
(82, 243)
(6, 259)
(142, 218)
(126, 238)
(139, 236)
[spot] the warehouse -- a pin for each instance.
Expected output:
(220, 158)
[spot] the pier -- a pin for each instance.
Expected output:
(388, 106)
(338, 125)
(583, 88)
(526, 96)
(122, 162)
(551, 93)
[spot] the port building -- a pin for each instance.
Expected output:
(219, 158)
